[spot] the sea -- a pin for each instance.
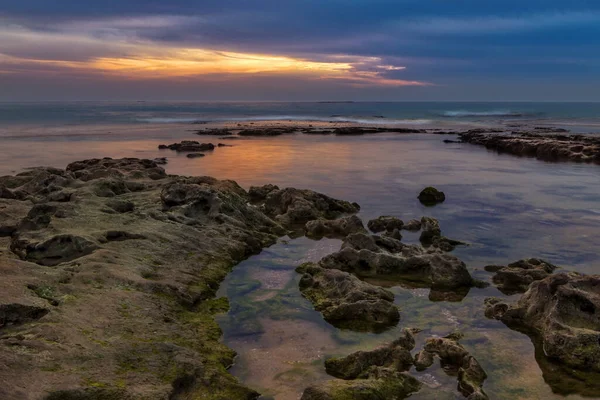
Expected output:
(579, 116)
(505, 207)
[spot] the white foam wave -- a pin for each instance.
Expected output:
(356, 120)
(491, 113)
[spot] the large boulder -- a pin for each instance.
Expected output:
(516, 277)
(562, 312)
(335, 228)
(387, 258)
(347, 302)
(294, 207)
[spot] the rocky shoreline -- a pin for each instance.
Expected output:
(110, 269)
(545, 147)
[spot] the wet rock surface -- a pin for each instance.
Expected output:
(115, 287)
(336, 228)
(516, 277)
(430, 196)
(375, 374)
(347, 302)
(385, 223)
(578, 148)
(188, 146)
(294, 207)
(387, 258)
(561, 314)
(456, 361)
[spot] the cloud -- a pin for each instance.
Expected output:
(498, 24)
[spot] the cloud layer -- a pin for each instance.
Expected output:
(372, 50)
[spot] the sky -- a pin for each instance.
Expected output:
(300, 50)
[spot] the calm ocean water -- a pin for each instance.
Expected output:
(53, 114)
(506, 207)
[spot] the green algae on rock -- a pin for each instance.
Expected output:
(346, 301)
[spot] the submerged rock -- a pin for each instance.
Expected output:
(396, 356)
(381, 383)
(516, 277)
(335, 228)
(562, 312)
(347, 302)
(430, 196)
(385, 223)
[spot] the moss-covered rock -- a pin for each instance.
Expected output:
(430, 196)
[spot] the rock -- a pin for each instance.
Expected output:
(292, 207)
(38, 217)
(336, 228)
(6, 193)
(110, 187)
(188, 145)
(423, 360)
(430, 230)
(224, 145)
(161, 160)
(395, 356)
(578, 148)
(135, 291)
(395, 234)
(17, 314)
(347, 302)
(56, 250)
(413, 225)
(431, 236)
(385, 223)
(516, 277)
(195, 155)
(562, 312)
(382, 383)
(386, 258)
(121, 206)
(259, 193)
(430, 196)
(455, 358)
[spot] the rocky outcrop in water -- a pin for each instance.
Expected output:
(370, 256)
(430, 196)
(335, 228)
(578, 148)
(188, 145)
(457, 361)
(562, 314)
(375, 374)
(294, 207)
(516, 277)
(347, 302)
(431, 236)
(109, 271)
(385, 224)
